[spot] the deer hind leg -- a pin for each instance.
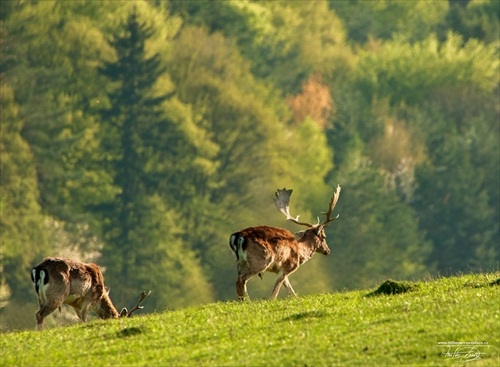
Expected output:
(241, 286)
(244, 274)
(44, 311)
(45, 305)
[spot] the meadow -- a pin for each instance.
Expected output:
(451, 321)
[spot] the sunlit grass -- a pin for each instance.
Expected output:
(342, 329)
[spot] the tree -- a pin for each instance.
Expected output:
(377, 234)
(22, 224)
(262, 31)
(385, 19)
(314, 101)
(457, 194)
(478, 19)
(49, 172)
(142, 247)
(50, 62)
(414, 73)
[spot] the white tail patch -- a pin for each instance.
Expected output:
(232, 243)
(242, 255)
(236, 242)
(42, 288)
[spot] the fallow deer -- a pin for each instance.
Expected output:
(77, 284)
(262, 248)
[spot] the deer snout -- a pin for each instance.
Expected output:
(324, 250)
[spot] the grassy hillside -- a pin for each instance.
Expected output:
(351, 328)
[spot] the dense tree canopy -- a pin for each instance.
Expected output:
(139, 135)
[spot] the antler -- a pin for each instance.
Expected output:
(333, 202)
(282, 202)
(125, 313)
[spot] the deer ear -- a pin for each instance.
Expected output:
(318, 230)
(123, 312)
(107, 289)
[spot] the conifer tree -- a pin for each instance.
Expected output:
(141, 142)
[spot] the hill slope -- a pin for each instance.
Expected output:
(422, 326)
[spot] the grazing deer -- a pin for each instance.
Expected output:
(277, 250)
(77, 284)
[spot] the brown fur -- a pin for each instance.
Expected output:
(274, 250)
(74, 283)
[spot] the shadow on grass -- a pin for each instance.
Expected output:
(129, 331)
(305, 315)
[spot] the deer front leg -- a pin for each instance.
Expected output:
(83, 310)
(288, 287)
(277, 286)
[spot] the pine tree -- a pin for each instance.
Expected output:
(142, 144)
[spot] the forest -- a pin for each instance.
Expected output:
(140, 134)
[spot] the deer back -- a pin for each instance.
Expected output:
(87, 286)
(77, 284)
(264, 248)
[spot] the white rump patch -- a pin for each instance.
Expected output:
(42, 288)
(242, 254)
(231, 242)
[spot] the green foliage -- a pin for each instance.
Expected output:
(22, 234)
(137, 222)
(309, 153)
(470, 231)
(263, 32)
(341, 329)
(384, 19)
(143, 149)
(377, 234)
(411, 73)
(241, 132)
(477, 19)
(55, 82)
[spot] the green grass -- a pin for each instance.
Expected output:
(341, 329)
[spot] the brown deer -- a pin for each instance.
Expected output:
(77, 284)
(277, 250)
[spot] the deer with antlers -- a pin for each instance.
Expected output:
(262, 248)
(77, 284)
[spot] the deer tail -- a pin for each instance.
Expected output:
(236, 242)
(40, 277)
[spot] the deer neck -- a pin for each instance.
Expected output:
(306, 250)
